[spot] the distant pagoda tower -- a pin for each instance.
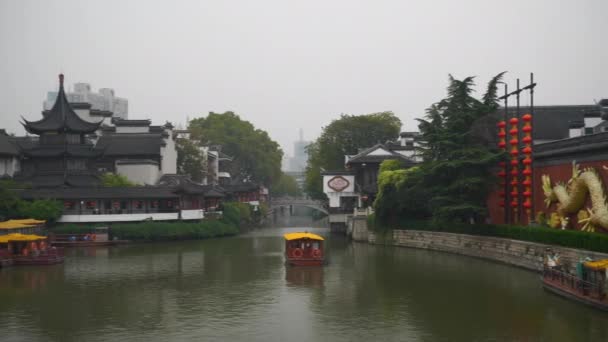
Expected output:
(62, 155)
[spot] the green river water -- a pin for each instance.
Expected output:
(238, 289)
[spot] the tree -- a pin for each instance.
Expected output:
(458, 157)
(48, 210)
(190, 160)
(12, 207)
(286, 186)
(115, 180)
(345, 136)
(256, 157)
(8, 200)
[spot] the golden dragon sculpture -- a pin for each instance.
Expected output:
(571, 198)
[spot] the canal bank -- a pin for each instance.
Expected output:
(528, 255)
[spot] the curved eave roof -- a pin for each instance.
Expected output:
(20, 237)
(61, 118)
(300, 236)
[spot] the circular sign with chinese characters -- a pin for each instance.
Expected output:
(338, 183)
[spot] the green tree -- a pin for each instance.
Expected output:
(115, 180)
(49, 210)
(459, 156)
(190, 160)
(286, 186)
(256, 157)
(345, 136)
(8, 200)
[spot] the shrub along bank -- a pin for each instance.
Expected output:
(230, 224)
(567, 238)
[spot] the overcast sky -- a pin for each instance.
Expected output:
(287, 64)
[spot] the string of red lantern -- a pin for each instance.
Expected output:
(514, 167)
(502, 173)
(527, 172)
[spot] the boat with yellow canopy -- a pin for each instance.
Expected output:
(304, 249)
(588, 286)
(28, 249)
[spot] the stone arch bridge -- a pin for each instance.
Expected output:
(286, 202)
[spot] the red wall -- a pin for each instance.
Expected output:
(561, 173)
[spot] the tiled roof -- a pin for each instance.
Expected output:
(553, 122)
(7, 146)
(138, 192)
(61, 118)
(365, 157)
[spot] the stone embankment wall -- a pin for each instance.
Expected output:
(524, 254)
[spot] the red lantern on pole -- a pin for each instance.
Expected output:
(502, 173)
(514, 166)
(527, 173)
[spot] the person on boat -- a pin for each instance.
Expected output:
(552, 260)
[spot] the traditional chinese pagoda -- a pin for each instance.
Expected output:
(61, 155)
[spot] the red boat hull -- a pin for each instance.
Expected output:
(87, 243)
(305, 262)
(555, 286)
(32, 261)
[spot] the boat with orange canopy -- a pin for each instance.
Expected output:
(304, 249)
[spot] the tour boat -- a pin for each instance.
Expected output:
(304, 249)
(23, 249)
(588, 286)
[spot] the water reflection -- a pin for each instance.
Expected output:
(304, 276)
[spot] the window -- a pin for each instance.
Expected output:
(77, 164)
(91, 205)
(588, 130)
(138, 204)
(73, 139)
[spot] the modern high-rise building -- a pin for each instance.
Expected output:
(103, 101)
(300, 157)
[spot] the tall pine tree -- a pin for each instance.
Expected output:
(458, 158)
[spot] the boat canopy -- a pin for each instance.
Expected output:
(300, 235)
(25, 223)
(20, 237)
(597, 265)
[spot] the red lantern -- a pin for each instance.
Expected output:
(513, 121)
(502, 174)
(527, 117)
(527, 161)
(527, 205)
(502, 144)
(502, 124)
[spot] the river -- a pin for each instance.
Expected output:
(238, 289)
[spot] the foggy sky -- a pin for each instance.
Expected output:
(287, 64)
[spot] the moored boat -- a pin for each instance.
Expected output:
(588, 286)
(23, 249)
(304, 249)
(96, 237)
